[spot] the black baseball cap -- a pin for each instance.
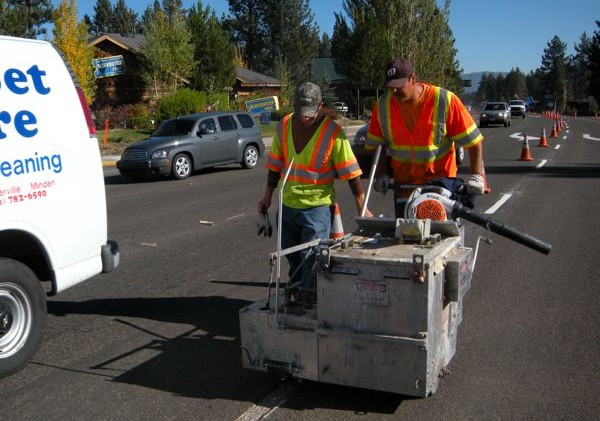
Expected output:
(397, 72)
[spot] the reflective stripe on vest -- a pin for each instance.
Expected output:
(438, 145)
(319, 170)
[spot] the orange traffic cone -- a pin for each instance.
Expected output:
(525, 152)
(543, 140)
(337, 230)
(553, 134)
(486, 187)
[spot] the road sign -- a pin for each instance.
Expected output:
(108, 66)
(262, 105)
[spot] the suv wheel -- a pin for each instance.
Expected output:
(181, 167)
(250, 158)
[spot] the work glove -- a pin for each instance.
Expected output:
(264, 225)
(382, 183)
(475, 184)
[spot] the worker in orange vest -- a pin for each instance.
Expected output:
(419, 123)
(318, 151)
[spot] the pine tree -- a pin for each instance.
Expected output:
(245, 24)
(293, 36)
(25, 18)
(554, 68)
(594, 64)
(325, 46)
(579, 68)
(213, 51)
(70, 37)
(124, 19)
(103, 17)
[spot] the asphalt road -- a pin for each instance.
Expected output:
(159, 337)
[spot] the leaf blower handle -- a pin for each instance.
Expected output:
(458, 210)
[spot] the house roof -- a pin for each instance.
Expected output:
(133, 42)
(323, 69)
(129, 42)
(248, 78)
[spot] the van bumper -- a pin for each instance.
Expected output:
(110, 256)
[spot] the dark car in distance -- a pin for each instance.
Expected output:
(182, 145)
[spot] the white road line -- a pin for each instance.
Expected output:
(269, 403)
(557, 147)
(541, 164)
(499, 203)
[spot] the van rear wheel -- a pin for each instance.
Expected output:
(181, 167)
(22, 315)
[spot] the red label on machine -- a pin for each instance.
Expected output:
(371, 293)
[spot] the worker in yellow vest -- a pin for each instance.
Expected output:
(318, 151)
(419, 123)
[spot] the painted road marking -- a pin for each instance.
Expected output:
(499, 203)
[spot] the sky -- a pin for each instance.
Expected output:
(490, 36)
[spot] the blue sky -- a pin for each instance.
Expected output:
(493, 36)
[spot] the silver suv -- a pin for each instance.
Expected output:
(495, 113)
(182, 145)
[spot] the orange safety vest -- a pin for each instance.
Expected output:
(427, 151)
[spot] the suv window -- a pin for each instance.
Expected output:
(495, 107)
(174, 127)
(227, 123)
(246, 121)
(208, 126)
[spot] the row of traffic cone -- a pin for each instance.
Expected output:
(526, 153)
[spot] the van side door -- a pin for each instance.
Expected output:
(230, 135)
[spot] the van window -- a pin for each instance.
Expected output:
(246, 121)
(227, 123)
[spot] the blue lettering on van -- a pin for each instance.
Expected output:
(22, 119)
(34, 164)
(16, 81)
(20, 83)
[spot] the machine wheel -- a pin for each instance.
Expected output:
(250, 158)
(181, 167)
(22, 315)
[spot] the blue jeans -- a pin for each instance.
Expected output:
(300, 226)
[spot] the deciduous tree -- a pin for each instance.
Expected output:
(168, 52)
(70, 37)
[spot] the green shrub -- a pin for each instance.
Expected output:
(184, 101)
(187, 101)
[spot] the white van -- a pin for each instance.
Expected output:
(53, 229)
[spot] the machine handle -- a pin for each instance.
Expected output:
(500, 228)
